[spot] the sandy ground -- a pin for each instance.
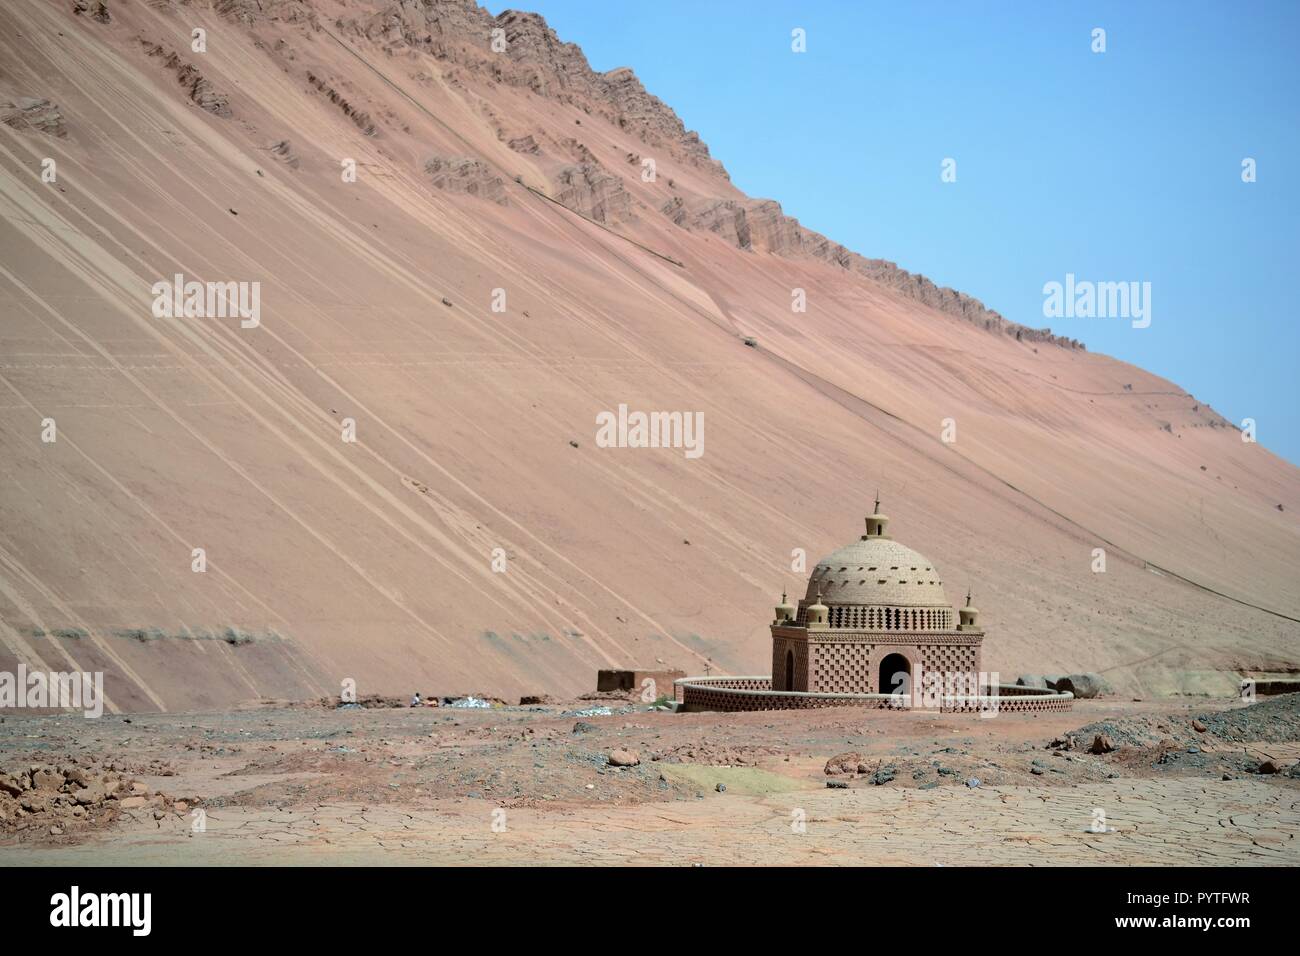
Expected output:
(310, 785)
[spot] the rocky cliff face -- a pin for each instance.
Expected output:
(460, 174)
(655, 123)
(590, 190)
(520, 50)
(197, 86)
(760, 225)
(97, 10)
(30, 113)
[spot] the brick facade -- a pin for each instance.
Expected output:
(848, 662)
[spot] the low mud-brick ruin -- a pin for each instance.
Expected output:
(875, 629)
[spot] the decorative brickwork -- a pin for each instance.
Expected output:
(784, 652)
(841, 668)
(755, 693)
(949, 659)
(884, 618)
(874, 623)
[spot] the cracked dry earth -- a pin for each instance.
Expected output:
(532, 785)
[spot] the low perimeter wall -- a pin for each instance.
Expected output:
(755, 693)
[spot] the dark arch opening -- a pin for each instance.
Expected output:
(895, 675)
(789, 670)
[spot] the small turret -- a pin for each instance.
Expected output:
(969, 616)
(877, 523)
(785, 611)
(817, 614)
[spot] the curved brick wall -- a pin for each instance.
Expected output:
(755, 693)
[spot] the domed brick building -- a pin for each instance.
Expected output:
(874, 629)
(875, 617)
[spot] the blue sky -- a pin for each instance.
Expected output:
(1118, 166)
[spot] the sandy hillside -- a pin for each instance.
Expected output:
(523, 171)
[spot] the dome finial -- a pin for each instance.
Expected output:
(968, 595)
(877, 511)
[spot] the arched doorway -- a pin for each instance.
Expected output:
(789, 670)
(895, 675)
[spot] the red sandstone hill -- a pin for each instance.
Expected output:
(521, 170)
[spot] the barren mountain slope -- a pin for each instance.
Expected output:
(475, 429)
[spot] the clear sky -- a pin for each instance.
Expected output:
(1117, 166)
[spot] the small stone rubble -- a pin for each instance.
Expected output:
(51, 801)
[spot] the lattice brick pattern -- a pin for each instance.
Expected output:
(947, 659)
(701, 697)
(841, 668)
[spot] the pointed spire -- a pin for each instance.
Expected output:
(968, 595)
(877, 511)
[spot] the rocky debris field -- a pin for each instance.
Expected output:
(1273, 719)
(1256, 739)
(69, 781)
(1270, 719)
(75, 798)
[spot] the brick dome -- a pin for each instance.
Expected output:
(874, 584)
(877, 571)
